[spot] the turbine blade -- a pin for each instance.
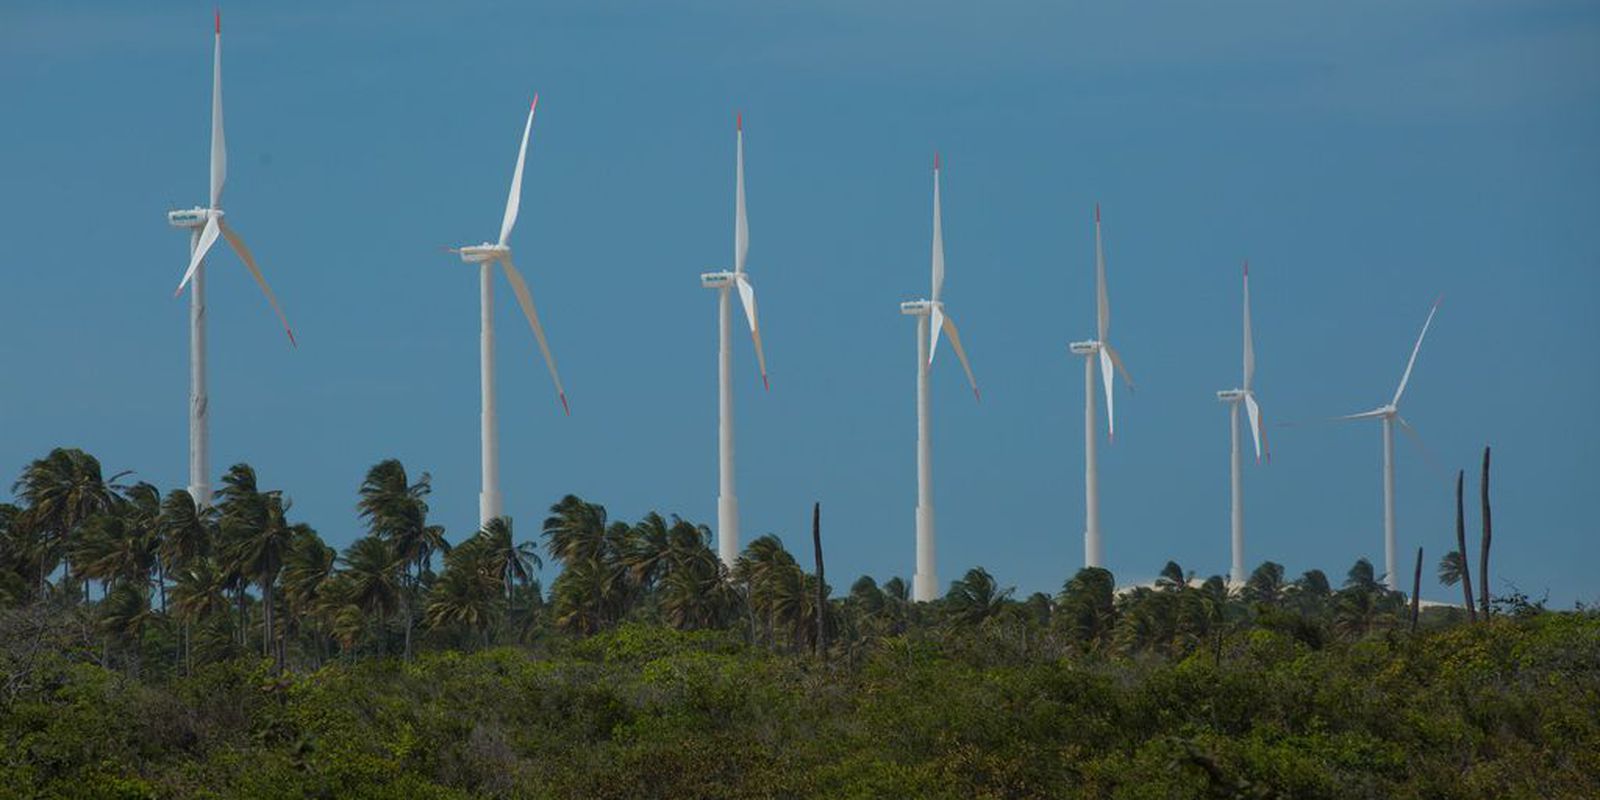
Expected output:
(208, 237)
(1373, 414)
(1254, 412)
(934, 326)
(747, 297)
(949, 326)
(741, 220)
(1102, 298)
(1406, 378)
(1427, 453)
(938, 242)
(261, 280)
(1122, 369)
(514, 199)
(219, 144)
(519, 287)
(1249, 339)
(1105, 378)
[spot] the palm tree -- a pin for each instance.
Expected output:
(777, 589)
(371, 584)
(975, 597)
(397, 510)
(1266, 585)
(62, 491)
(187, 532)
(198, 593)
(308, 566)
(261, 539)
(595, 572)
(468, 592)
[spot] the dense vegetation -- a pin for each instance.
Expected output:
(153, 648)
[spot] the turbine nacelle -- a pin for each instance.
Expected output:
(192, 217)
(717, 280)
(480, 253)
(919, 308)
(1232, 395)
(1087, 348)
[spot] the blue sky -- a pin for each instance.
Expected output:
(1364, 156)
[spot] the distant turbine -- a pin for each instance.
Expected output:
(485, 256)
(925, 584)
(1233, 397)
(1109, 360)
(727, 501)
(205, 225)
(1390, 414)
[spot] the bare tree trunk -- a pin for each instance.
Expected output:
(1483, 555)
(1461, 547)
(822, 591)
(1416, 592)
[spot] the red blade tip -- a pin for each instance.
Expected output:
(535, 103)
(219, 20)
(292, 342)
(936, 161)
(977, 394)
(564, 407)
(1247, 268)
(1438, 300)
(764, 384)
(1097, 212)
(738, 121)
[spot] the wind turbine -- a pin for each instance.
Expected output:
(1098, 349)
(925, 583)
(204, 226)
(1247, 397)
(486, 255)
(1390, 414)
(727, 501)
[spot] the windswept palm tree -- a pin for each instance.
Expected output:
(975, 597)
(61, 492)
(308, 566)
(1266, 585)
(468, 593)
(1087, 608)
(396, 510)
(370, 584)
(198, 593)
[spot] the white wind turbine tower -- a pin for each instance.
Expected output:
(1234, 397)
(925, 583)
(1390, 414)
(1098, 349)
(486, 255)
(204, 226)
(727, 500)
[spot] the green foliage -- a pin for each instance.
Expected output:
(151, 647)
